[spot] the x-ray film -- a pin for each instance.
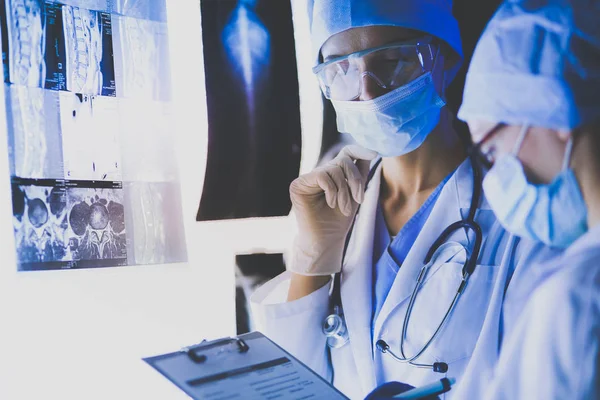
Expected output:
(59, 47)
(89, 52)
(90, 137)
(146, 142)
(34, 138)
(62, 135)
(250, 73)
(141, 58)
(61, 225)
(92, 162)
(154, 232)
(23, 42)
(153, 10)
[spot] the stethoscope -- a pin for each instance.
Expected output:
(334, 325)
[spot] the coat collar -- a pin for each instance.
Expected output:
(586, 242)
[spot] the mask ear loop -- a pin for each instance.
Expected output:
(517, 147)
(568, 154)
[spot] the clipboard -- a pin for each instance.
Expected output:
(249, 366)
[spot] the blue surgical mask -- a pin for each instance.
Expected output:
(554, 213)
(397, 122)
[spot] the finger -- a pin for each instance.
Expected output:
(315, 183)
(356, 152)
(362, 159)
(364, 167)
(329, 187)
(354, 178)
(343, 192)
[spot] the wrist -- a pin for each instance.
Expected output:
(303, 285)
(316, 260)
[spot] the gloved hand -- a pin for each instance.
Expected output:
(324, 203)
(388, 390)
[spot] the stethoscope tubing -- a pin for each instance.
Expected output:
(468, 268)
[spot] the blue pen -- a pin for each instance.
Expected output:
(433, 389)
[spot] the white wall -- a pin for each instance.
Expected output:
(81, 334)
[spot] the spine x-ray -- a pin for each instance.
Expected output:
(60, 47)
(87, 89)
(253, 105)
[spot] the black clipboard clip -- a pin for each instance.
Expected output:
(195, 353)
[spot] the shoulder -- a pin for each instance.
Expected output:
(571, 294)
(536, 262)
(580, 278)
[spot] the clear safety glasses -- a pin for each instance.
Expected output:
(486, 158)
(390, 66)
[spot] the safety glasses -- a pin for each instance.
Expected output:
(390, 66)
(486, 158)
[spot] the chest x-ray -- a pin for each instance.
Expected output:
(93, 169)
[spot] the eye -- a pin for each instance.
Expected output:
(342, 67)
(489, 153)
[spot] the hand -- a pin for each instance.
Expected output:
(388, 390)
(325, 202)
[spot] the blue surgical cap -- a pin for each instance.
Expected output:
(537, 62)
(434, 17)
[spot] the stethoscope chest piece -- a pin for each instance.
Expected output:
(334, 328)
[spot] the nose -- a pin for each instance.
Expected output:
(371, 88)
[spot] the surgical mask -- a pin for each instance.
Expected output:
(397, 122)
(553, 213)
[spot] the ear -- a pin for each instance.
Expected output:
(564, 134)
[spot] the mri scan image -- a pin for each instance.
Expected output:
(55, 46)
(59, 226)
(34, 137)
(94, 179)
(90, 137)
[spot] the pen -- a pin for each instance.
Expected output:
(435, 388)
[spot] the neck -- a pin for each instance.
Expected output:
(424, 168)
(586, 166)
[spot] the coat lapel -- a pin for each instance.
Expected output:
(455, 195)
(357, 277)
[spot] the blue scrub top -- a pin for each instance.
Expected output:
(389, 252)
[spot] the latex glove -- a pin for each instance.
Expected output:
(325, 202)
(387, 391)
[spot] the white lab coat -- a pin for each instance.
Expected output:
(553, 350)
(468, 343)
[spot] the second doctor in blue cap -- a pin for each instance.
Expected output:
(399, 309)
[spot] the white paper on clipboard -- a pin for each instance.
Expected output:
(249, 367)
